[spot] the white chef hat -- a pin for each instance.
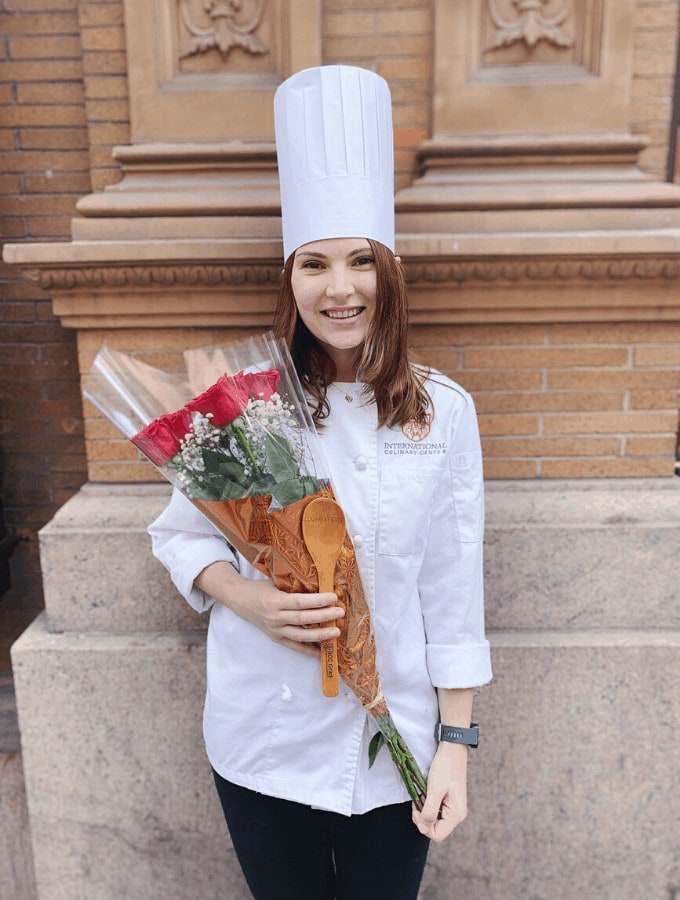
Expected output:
(335, 152)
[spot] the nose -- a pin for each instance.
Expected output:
(340, 285)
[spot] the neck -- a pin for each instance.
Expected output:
(346, 363)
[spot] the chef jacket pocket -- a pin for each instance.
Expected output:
(404, 510)
(468, 493)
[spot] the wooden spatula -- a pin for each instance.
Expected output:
(323, 528)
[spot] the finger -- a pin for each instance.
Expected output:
(429, 814)
(308, 635)
(311, 601)
(309, 617)
(307, 649)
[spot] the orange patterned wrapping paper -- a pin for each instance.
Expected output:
(272, 542)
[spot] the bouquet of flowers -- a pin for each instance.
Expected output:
(243, 448)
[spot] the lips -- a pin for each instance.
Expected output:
(351, 313)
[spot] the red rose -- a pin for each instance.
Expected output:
(160, 440)
(226, 400)
(261, 385)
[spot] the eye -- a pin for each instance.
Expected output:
(311, 264)
(364, 261)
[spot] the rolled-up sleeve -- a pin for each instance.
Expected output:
(451, 582)
(185, 542)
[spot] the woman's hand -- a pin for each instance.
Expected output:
(298, 621)
(446, 800)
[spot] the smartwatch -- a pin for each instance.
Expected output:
(456, 735)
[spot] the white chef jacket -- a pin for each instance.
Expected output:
(414, 510)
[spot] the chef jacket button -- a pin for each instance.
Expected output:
(358, 541)
(361, 462)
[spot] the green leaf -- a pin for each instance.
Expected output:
(223, 466)
(288, 491)
(310, 485)
(374, 747)
(230, 490)
(282, 462)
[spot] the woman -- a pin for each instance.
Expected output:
(307, 817)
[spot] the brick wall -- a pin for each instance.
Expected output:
(45, 168)
(105, 84)
(567, 401)
(394, 39)
(554, 401)
(654, 40)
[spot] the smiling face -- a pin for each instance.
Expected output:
(334, 285)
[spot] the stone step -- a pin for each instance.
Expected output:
(17, 881)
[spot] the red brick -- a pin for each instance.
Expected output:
(548, 401)
(39, 6)
(108, 110)
(57, 183)
(656, 399)
(42, 161)
(606, 468)
(45, 70)
(57, 92)
(379, 46)
(510, 468)
(46, 115)
(98, 39)
(503, 425)
(105, 62)
(544, 357)
(537, 447)
(56, 138)
(100, 87)
(651, 446)
(40, 23)
(100, 14)
(8, 139)
(45, 47)
(611, 423)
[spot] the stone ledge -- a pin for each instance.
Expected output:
(98, 571)
(100, 576)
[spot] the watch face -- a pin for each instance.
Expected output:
(457, 735)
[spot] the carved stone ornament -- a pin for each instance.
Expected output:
(151, 276)
(226, 32)
(531, 24)
(551, 269)
(454, 272)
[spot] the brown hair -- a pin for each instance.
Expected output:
(384, 364)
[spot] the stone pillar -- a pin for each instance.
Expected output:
(530, 115)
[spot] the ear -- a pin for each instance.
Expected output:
(398, 259)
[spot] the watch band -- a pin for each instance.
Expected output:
(456, 735)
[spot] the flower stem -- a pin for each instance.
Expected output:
(245, 446)
(408, 768)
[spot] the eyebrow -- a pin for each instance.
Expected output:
(314, 255)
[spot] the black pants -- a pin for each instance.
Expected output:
(289, 851)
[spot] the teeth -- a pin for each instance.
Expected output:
(344, 314)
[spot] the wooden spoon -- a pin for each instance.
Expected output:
(323, 528)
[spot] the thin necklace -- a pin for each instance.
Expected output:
(348, 397)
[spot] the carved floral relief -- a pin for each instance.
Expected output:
(531, 21)
(221, 25)
(545, 38)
